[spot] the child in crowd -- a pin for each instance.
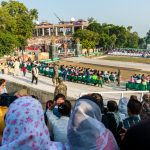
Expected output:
(134, 109)
(59, 124)
(111, 119)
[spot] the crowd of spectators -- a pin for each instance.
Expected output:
(139, 82)
(88, 125)
(140, 79)
(130, 52)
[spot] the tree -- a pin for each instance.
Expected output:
(89, 39)
(91, 20)
(148, 37)
(132, 40)
(17, 20)
(7, 43)
(23, 18)
(142, 43)
(95, 27)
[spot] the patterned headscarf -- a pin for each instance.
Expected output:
(25, 127)
(85, 130)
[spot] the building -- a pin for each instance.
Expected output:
(62, 32)
(61, 29)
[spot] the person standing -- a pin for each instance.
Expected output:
(56, 74)
(16, 67)
(35, 73)
(61, 88)
(24, 70)
(119, 77)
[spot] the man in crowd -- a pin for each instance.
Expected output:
(61, 88)
(119, 77)
(16, 67)
(35, 73)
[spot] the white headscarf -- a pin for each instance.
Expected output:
(85, 130)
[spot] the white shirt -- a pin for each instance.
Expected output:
(17, 65)
(59, 126)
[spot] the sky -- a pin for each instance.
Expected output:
(134, 13)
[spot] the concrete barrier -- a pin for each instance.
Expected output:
(43, 96)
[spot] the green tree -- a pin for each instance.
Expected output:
(91, 20)
(8, 43)
(132, 40)
(16, 25)
(148, 37)
(23, 18)
(89, 39)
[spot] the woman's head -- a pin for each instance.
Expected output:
(97, 98)
(85, 130)
(25, 126)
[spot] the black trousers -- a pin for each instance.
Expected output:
(34, 78)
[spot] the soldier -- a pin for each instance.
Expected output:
(56, 74)
(119, 77)
(61, 88)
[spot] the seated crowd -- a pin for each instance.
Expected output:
(88, 125)
(139, 82)
(72, 73)
(130, 52)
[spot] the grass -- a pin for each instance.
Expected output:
(126, 73)
(128, 59)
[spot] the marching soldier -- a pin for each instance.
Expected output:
(56, 74)
(61, 88)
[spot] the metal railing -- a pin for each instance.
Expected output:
(122, 93)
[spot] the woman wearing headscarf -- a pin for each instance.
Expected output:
(123, 113)
(85, 130)
(25, 127)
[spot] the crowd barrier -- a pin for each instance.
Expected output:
(121, 93)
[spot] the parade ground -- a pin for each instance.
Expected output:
(75, 89)
(110, 63)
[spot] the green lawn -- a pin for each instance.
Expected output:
(128, 59)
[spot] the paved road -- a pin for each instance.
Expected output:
(137, 66)
(74, 89)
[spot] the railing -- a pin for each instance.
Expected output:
(122, 93)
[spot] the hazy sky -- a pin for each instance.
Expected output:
(122, 12)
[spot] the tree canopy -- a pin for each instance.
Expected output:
(109, 35)
(16, 25)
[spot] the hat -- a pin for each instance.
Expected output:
(60, 79)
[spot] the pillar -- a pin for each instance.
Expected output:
(56, 31)
(72, 29)
(82, 27)
(49, 31)
(37, 32)
(43, 32)
(64, 31)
